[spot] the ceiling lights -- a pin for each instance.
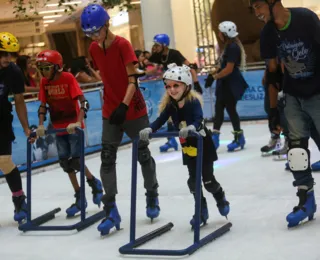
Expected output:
(68, 3)
(49, 21)
(52, 16)
(52, 11)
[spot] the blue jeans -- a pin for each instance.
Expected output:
(301, 114)
(68, 146)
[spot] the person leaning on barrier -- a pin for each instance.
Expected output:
(124, 111)
(11, 81)
(61, 92)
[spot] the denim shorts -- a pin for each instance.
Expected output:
(68, 146)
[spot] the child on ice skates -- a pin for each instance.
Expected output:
(62, 93)
(184, 106)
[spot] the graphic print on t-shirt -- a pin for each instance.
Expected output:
(62, 109)
(298, 58)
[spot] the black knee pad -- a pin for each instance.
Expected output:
(74, 163)
(108, 155)
(144, 155)
(299, 155)
(192, 184)
(211, 185)
(65, 165)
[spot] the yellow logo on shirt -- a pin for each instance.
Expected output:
(190, 150)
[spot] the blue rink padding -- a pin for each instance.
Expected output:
(44, 152)
(131, 248)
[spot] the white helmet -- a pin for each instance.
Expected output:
(178, 73)
(229, 29)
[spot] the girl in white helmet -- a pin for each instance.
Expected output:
(230, 84)
(184, 107)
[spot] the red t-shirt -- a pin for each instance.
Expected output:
(62, 97)
(112, 67)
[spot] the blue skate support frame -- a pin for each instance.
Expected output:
(131, 247)
(35, 224)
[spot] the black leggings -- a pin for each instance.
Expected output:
(226, 100)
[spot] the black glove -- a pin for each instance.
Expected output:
(274, 119)
(197, 87)
(118, 115)
(209, 81)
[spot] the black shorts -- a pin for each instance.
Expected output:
(5, 147)
(6, 138)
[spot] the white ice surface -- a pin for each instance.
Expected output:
(259, 190)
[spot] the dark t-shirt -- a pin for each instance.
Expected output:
(11, 82)
(173, 56)
(299, 50)
(233, 82)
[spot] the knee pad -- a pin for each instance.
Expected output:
(144, 155)
(6, 164)
(108, 154)
(299, 155)
(211, 185)
(65, 165)
(192, 184)
(74, 163)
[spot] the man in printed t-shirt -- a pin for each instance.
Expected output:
(296, 33)
(124, 110)
(62, 93)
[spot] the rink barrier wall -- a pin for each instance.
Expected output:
(251, 107)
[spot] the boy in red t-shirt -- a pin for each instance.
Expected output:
(124, 110)
(62, 93)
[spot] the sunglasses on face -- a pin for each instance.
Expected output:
(94, 34)
(45, 68)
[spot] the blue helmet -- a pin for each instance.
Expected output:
(93, 18)
(162, 39)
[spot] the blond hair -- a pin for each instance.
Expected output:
(243, 61)
(192, 95)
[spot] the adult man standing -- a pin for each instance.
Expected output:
(296, 34)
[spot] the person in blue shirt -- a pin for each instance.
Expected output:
(184, 107)
(230, 85)
(296, 33)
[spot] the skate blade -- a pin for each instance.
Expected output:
(201, 226)
(77, 215)
(112, 232)
(266, 154)
(282, 157)
(302, 223)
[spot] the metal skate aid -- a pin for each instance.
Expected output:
(35, 224)
(131, 247)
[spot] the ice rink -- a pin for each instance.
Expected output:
(259, 190)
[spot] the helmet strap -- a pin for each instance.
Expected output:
(271, 9)
(55, 70)
(105, 39)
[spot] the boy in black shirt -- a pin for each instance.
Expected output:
(296, 33)
(11, 81)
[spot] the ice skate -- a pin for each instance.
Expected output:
(306, 208)
(274, 143)
(112, 219)
(152, 208)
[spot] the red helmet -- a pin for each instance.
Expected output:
(50, 56)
